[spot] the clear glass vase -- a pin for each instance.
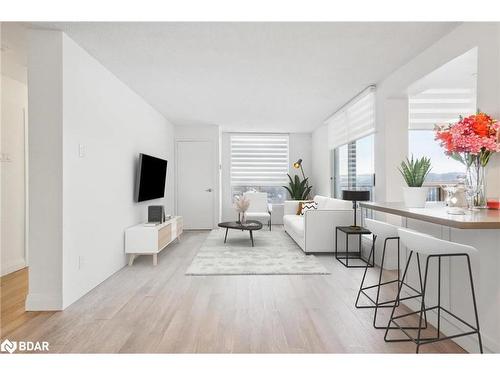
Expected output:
(476, 184)
(242, 217)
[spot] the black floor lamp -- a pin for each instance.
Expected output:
(355, 196)
(297, 165)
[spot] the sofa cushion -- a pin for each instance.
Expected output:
(294, 223)
(307, 206)
(321, 201)
(300, 206)
(326, 203)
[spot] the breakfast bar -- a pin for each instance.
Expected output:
(480, 229)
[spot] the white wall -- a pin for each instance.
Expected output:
(46, 171)
(299, 148)
(89, 197)
(206, 133)
(321, 171)
(14, 106)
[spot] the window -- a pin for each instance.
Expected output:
(259, 162)
(431, 107)
(354, 166)
(444, 169)
(351, 139)
(426, 109)
(355, 120)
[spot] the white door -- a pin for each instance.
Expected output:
(195, 183)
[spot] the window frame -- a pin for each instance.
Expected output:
(351, 168)
(257, 185)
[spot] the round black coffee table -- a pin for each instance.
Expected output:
(249, 225)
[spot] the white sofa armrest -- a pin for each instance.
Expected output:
(320, 228)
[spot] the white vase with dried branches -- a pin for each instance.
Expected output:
(241, 204)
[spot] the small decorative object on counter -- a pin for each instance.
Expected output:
(493, 204)
(241, 204)
(472, 140)
(450, 190)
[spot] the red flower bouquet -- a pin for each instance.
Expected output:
(472, 141)
(472, 137)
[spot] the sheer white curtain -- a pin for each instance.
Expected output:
(440, 106)
(353, 121)
(259, 160)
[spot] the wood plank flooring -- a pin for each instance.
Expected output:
(13, 292)
(146, 309)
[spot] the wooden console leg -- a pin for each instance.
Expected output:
(155, 259)
(131, 258)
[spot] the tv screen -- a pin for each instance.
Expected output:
(151, 176)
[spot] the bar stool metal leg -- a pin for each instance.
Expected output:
(398, 301)
(377, 300)
(422, 306)
(474, 303)
(376, 304)
(432, 247)
(372, 254)
(419, 340)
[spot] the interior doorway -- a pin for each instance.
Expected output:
(14, 175)
(195, 183)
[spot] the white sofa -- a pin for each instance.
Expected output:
(314, 231)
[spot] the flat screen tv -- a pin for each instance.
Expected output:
(151, 177)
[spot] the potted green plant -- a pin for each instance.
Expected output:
(297, 188)
(414, 172)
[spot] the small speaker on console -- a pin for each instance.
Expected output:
(156, 214)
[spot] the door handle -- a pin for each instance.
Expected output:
(209, 190)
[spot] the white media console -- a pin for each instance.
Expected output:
(150, 240)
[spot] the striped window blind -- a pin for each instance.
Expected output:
(439, 106)
(353, 121)
(259, 160)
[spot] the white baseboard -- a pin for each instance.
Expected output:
(43, 302)
(12, 266)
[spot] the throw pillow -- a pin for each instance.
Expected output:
(307, 206)
(299, 207)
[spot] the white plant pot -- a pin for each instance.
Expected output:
(415, 197)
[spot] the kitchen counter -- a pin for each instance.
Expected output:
(480, 219)
(480, 229)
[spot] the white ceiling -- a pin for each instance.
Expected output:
(460, 73)
(251, 76)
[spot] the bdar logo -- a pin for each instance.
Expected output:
(8, 346)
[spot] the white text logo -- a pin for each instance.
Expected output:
(24, 346)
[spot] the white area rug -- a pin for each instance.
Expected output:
(274, 253)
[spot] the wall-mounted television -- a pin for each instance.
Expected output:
(151, 177)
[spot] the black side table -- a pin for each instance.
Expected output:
(343, 257)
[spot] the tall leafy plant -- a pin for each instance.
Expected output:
(297, 188)
(414, 171)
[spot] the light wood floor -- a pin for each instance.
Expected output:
(158, 309)
(13, 291)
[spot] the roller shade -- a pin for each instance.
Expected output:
(439, 106)
(259, 160)
(354, 121)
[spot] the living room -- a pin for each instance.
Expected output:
(250, 187)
